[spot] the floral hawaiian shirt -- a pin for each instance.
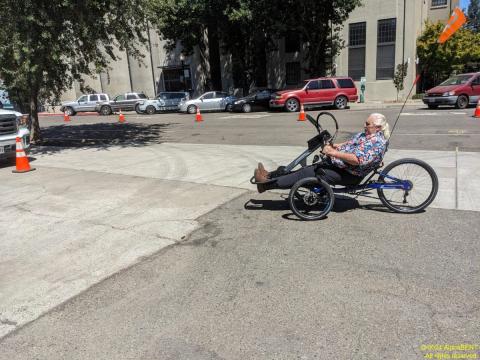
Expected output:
(369, 150)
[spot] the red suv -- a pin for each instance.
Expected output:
(459, 90)
(336, 91)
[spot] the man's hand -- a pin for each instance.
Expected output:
(329, 150)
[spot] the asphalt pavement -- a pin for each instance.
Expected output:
(145, 240)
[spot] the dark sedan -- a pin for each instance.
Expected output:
(255, 101)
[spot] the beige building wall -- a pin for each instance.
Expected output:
(416, 12)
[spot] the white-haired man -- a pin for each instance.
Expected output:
(347, 163)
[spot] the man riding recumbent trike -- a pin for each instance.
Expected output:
(353, 167)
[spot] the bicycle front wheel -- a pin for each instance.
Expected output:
(311, 199)
(423, 183)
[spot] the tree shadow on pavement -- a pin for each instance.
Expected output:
(100, 136)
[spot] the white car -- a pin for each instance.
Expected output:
(165, 101)
(210, 101)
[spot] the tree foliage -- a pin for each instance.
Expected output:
(461, 53)
(473, 15)
(45, 45)
(247, 30)
(399, 77)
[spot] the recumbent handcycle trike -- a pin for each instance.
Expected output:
(404, 186)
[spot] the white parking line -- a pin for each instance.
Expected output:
(420, 114)
(258, 116)
(458, 113)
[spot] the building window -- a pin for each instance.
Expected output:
(292, 42)
(386, 33)
(356, 50)
(436, 3)
(293, 73)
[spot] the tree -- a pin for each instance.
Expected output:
(319, 23)
(399, 77)
(46, 45)
(460, 53)
(196, 25)
(473, 15)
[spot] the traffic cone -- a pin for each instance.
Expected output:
(198, 116)
(121, 117)
(477, 110)
(66, 117)
(21, 163)
(301, 115)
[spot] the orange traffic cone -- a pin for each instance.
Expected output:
(301, 115)
(198, 116)
(21, 164)
(477, 110)
(121, 117)
(66, 117)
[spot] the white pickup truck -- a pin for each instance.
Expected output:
(12, 125)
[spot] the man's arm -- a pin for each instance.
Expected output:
(346, 157)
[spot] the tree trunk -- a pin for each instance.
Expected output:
(35, 134)
(214, 56)
(260, 61)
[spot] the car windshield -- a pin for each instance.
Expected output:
(305, 82)
(456, 80)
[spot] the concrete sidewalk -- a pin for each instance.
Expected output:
(232, 165)
(85, 214)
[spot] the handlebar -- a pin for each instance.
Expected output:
(318, 126)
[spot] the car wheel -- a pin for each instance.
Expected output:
(150, 110)
(246, 108)
(191, 109)
(69, 111)
(292, 105)
(229, 108)
(341, 102)
(462, 102)
(105, 110)
(432, 106)
(137, 109)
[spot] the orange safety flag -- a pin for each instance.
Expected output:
(454, 23)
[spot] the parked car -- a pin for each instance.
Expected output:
(257, 100)
(337, 91)
(124, 102)
(12, 125)
(459, 91)
(165, 101)
(210, 101)
(83, 104)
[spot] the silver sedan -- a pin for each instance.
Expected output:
(210, 101)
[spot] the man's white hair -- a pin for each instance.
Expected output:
(381, 120)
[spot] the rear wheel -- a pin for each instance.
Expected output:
(341, 102)
(137, 109)
(311, 199)
(229, 108)
(150, 110)
(292, 105)
(105, 110)
(420, 176)
(462, 102)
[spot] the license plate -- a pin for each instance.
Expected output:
(431, 100)
(2, 150)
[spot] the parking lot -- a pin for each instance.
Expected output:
(150, 230)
